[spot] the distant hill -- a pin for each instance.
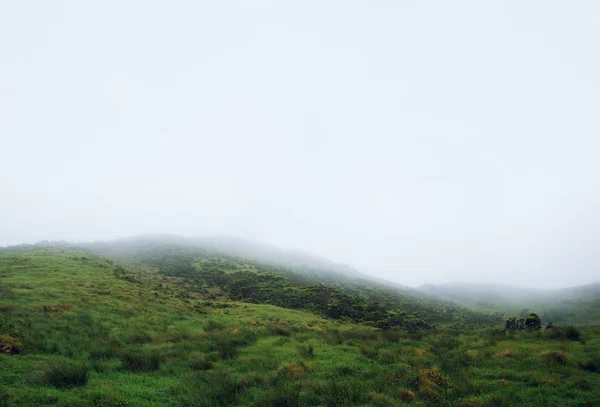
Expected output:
(575, 305)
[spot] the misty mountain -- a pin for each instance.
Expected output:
(296, 260)
(243, 270)
(578, 305)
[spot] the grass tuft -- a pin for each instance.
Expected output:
(140, 360)
(64, 373)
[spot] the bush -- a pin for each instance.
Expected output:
(140, 360)
(64, 373)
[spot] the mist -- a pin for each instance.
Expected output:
(418, 142)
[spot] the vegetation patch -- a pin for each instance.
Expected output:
(140, 360)
(64, 373)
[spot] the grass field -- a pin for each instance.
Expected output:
(75, 330)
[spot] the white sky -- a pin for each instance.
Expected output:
(418, 141)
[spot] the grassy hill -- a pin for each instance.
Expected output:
(299, 282)
(77, 329)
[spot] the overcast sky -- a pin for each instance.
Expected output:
(418, 141)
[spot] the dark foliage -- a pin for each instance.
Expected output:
(359, 302)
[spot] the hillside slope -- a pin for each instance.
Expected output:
(327, 292)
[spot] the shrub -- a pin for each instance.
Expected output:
(64, 373)
(533, 322)
(140, 360)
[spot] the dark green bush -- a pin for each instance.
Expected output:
(140, 360)
(64, 373)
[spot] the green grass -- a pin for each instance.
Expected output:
(91, 336)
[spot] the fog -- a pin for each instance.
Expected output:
(417, 141)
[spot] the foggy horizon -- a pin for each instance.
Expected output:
(418, 143)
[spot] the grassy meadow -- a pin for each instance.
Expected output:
(78, 330)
